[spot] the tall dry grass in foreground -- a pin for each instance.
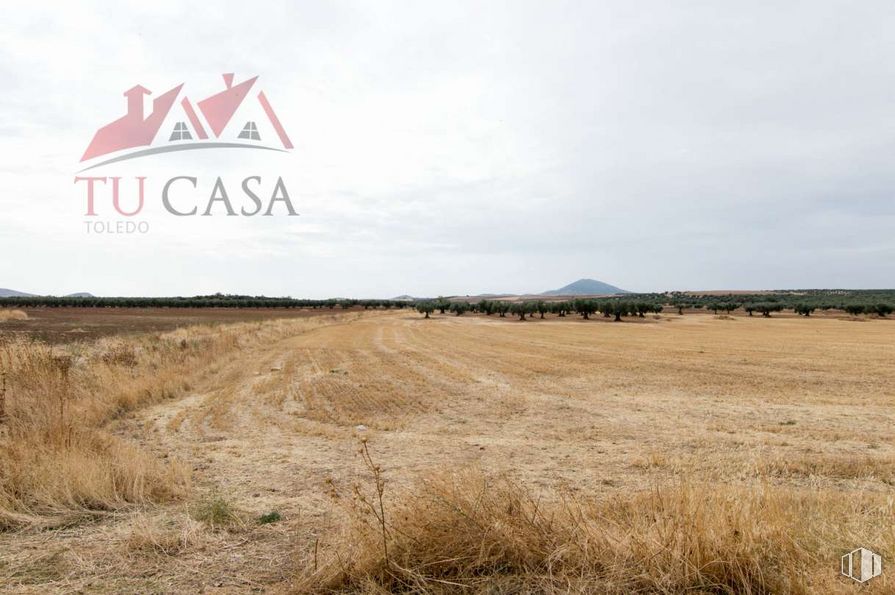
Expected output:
(7, 314)
(464, 532)
(56, 460)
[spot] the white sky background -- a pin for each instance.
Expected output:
(467, 147)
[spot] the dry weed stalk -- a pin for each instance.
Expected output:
(2, 396)
(378, 509)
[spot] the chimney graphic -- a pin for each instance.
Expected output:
(135, 101)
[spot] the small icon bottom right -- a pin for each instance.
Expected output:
(862, 565)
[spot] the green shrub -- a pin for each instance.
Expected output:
(270, 517)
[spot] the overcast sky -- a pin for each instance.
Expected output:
(468, 147)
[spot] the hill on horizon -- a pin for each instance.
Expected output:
(586, 287)
(13, 293)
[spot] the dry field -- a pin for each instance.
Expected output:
(676, 453)
(65, 325)
(7, 314)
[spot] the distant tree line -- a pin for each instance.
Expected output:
(201, 301)
(855, 302)
(802, 302)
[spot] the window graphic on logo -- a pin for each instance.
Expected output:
(250, 131)
(181, 132)
(210, 123)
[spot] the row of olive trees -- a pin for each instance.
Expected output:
(201, 301)
(804, 301)
(527, 309)
(878, 309)
(803, 309)
(616, 309)
(768, 307)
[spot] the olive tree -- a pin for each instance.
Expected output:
(502, 308)
(641, 308)
(585, 307)
(767, 308)
(855, 309)
(803, 309)
(617, 309)
(425, 308)
(883, 309)
(560, 308)
(521, 309)
(458, 308)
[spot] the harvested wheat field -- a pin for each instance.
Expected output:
(379, 451)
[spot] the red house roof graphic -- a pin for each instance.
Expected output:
(136, 130)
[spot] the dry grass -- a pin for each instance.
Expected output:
(58, 460)
(682, 453)
(163, 536)
(7, 314)
(465, 531)
(834, 466)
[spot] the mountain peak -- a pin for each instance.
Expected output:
(586, 287)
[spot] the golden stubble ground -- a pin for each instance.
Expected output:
(591, 407)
